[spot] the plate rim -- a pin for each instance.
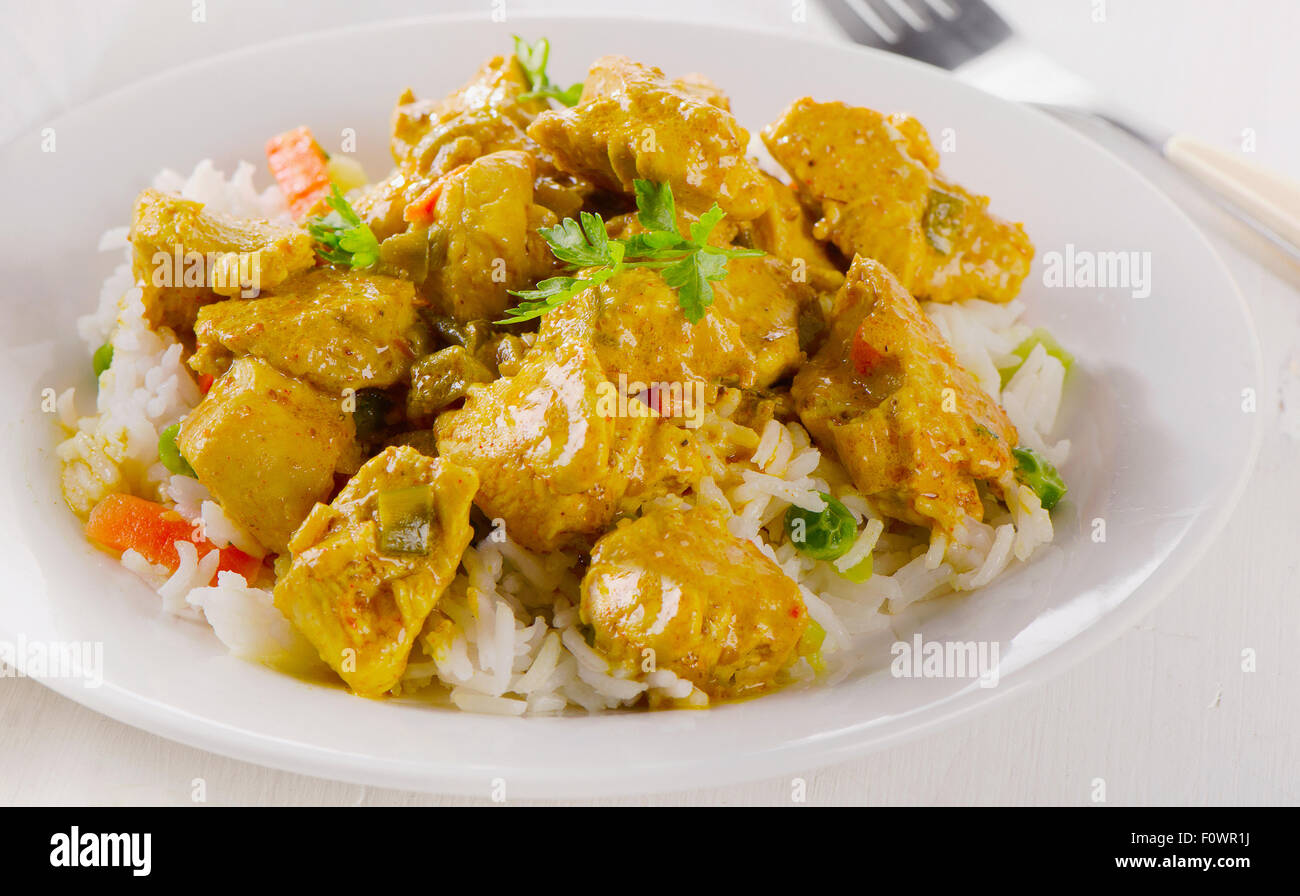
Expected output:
(839, 744)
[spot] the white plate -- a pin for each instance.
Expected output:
(1162, 445)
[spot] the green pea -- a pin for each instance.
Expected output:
(170, 454)
(102, 359)
(1038, 474)
(822, 535)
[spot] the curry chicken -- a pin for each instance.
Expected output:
(414, 364)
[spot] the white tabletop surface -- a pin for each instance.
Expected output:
(1164, 715)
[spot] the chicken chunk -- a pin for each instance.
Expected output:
(557, 463)
(786, 231)
(875, 180)
(382, 205)
(636, 328)
(485, 237)
(486, 115)
(332, 329)
(267, 446)
(632, 122)
(702, 87)
(765, 297)
(885, 393)
(749, 337)
(676, 589)
(360, 602)
(187, 256)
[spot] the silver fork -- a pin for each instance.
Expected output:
(970, 39)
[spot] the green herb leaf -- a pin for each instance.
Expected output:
(655, 207)
(570, 95)
(655, 243)
(342, 237)
(703, 228)
(549, 295)
(691, 278)
(585, 244)
(694, 294)
(688, 265)
(532, 59)
(555, 291)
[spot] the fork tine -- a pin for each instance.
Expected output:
(861, 24)
(893, 21)
(943, 9)
(913, 12)
(945, 33)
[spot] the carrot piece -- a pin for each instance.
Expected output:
(420, 211)
(205, 382)
(865, 356)
(300, 167)
(124, 522)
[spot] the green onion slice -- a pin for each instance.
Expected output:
(405, 516)
(1035, 472)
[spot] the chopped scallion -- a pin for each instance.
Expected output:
(405, 516)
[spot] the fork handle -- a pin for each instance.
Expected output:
(1272, 199)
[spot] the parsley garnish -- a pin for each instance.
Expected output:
(532, 59)
(342, 237)
(688, 264)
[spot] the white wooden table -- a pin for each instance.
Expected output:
(1165, 714)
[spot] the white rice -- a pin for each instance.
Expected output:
(515, 646)
(862, 546)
